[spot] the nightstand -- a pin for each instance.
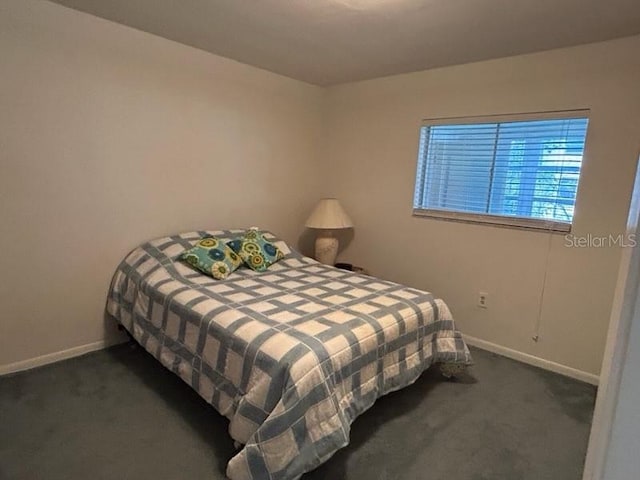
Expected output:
(352, 268)
(361, 270)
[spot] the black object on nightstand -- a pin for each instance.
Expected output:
(352, 268)
(344, 266)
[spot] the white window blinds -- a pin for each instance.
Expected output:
(516, 172)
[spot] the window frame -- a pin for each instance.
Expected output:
(507, 221)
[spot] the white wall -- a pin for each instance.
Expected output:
(373, 139)
(615, 435)
(622, 461)
(110, 136)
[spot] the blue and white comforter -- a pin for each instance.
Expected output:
(291, 356)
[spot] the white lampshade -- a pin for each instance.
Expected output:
(329, 214)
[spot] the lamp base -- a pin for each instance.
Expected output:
(326, 249)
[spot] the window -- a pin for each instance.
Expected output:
(503, 170)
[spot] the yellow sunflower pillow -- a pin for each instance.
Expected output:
(256, 251)
(212, 257)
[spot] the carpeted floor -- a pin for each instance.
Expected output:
(118, 414)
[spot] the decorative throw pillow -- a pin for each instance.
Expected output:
(212, 257)
(256, 251)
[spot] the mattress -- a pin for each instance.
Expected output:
(290, 356)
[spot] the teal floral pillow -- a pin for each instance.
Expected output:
(212, 257)
(256, 251)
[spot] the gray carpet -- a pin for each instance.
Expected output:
(118, 414)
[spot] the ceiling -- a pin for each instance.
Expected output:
(326, 42)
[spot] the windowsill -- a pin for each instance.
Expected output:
(496, 220)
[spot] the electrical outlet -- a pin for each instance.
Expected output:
(483, 299)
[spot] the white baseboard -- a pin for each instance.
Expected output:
(53, 357)
(533, 360)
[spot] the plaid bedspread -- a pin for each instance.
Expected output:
(291, 356)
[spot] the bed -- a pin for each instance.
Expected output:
(290, 356)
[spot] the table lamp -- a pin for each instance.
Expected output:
(326, 217)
